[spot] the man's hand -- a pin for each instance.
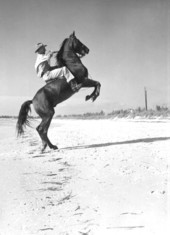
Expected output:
(52, 52)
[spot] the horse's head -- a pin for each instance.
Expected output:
(78, 47)
(71, 44)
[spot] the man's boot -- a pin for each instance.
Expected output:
(74, 86)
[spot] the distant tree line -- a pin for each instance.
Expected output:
(122, 113)
(130, 113)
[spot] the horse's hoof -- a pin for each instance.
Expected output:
(87, 97)
(43, 148)
(94, 98)
(54, 147)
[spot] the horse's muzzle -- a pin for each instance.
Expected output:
(87, 51)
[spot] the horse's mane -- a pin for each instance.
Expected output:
(60, 52)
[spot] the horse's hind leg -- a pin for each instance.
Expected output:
(43, 129)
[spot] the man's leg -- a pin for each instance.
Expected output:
(67, 74)
(57, 73)
(71, 80)
(60, 73)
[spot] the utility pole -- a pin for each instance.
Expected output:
(146, 101)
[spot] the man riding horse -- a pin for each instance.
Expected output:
(48, 73)
(58, 90)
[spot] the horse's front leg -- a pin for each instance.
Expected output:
(91, 83)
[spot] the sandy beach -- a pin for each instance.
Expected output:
(108, 177)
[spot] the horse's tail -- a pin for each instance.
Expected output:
(23, 117)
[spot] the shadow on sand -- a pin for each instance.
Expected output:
(145, 140)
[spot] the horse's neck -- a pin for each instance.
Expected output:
(69, 55)
(73, 62)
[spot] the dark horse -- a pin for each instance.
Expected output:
(58, 90)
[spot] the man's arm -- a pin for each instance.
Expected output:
(50, 54)
(54, 67)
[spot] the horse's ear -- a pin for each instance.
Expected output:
(73, 34)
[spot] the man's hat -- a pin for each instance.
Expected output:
(39, 45)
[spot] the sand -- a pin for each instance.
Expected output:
(108, 177)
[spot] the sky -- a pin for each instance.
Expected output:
(128, 42)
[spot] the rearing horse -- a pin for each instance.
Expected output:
(58, 90)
